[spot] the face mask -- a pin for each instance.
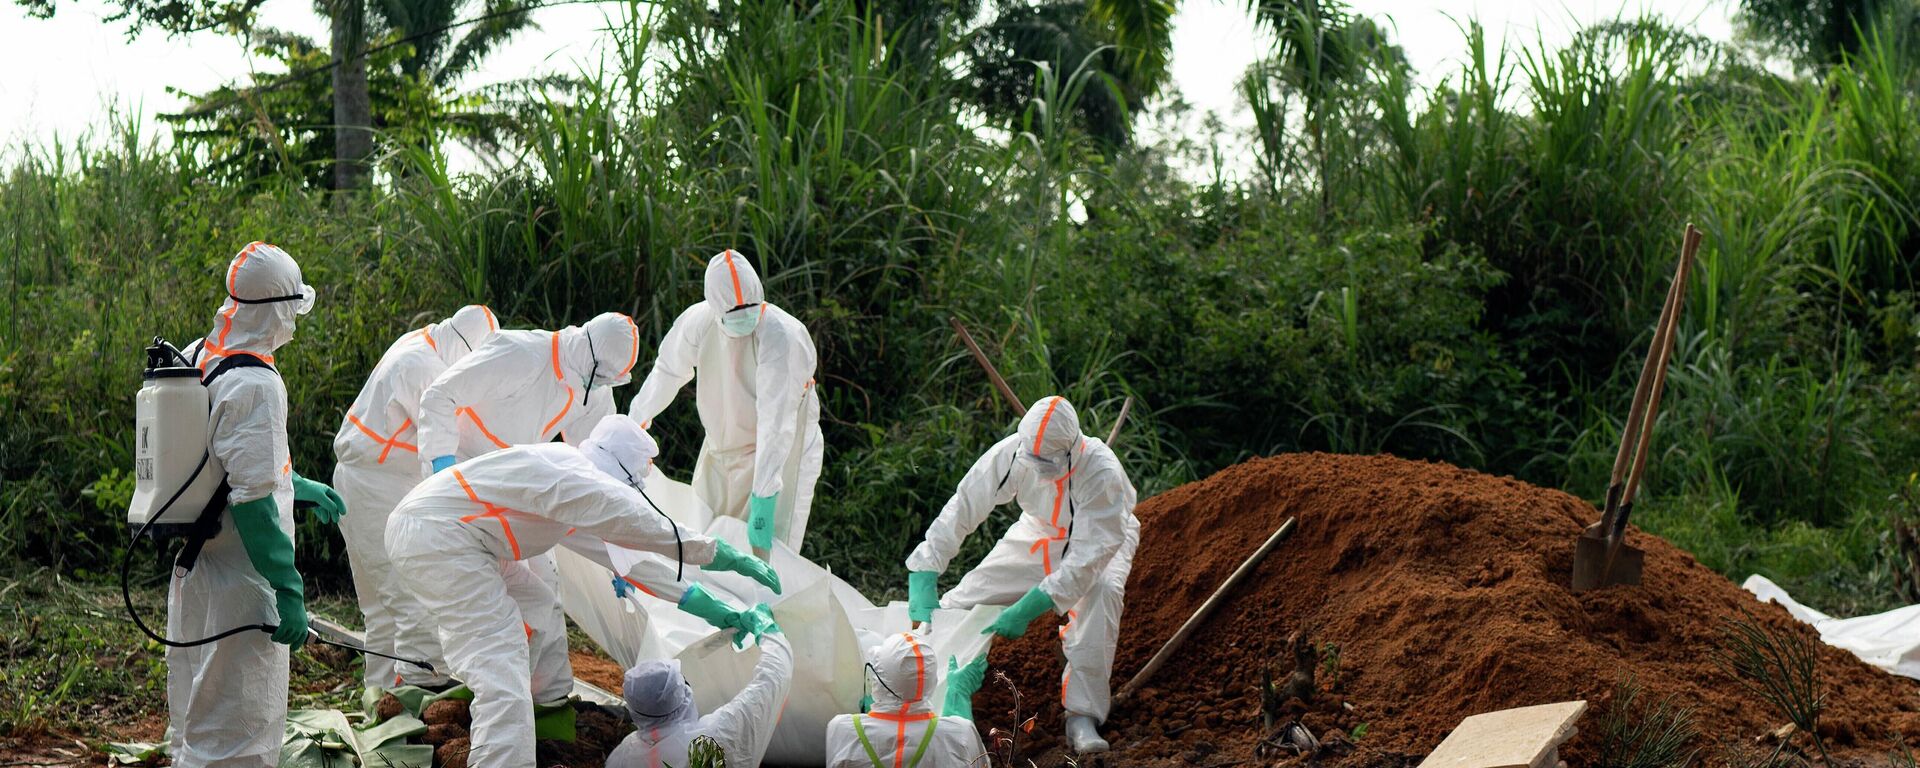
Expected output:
(740, 321)
(1045, 468)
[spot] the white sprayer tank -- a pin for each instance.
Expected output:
(170, 440)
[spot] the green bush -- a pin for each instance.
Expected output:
(1468, 273)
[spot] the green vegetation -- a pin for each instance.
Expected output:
(1777, 666)
(1467, 272)
(74, 666)
(1637, 734)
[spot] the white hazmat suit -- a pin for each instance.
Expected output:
(756, 396)
(227, 701)
(666, 721)
(460, 540)
(528, 386)
(522, 388)
(377, 451)
(1074, 540)
(903, 728)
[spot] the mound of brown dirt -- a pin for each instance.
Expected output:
(598, 670)
(1445, 591)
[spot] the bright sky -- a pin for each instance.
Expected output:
(62, 74)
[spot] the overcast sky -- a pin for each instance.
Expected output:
(61, 75)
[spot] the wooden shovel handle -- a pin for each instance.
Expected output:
(1630, 431)
(1688, 249)
(987, 365)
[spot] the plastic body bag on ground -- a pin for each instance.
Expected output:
(1890, 641)
(828, 622)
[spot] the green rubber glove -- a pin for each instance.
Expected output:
(923, 595)
(962, 683)
(726, 558)
(271, 552)
(1013, 621)
(699, 602)
(760, 521)
(326, 503)
(756, 621)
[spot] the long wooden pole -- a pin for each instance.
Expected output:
(1114, 434)
(992, 373)
(1200, 615)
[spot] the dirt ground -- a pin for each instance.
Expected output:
(1442, 593)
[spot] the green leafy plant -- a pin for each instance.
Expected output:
(704, 752)
(1639, 734)
(1778, 666)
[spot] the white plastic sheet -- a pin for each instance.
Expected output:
(828, 621)
(1890, 641)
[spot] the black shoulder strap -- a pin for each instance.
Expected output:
(207, 525)
(230, 362)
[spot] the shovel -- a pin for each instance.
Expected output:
(1601, 556)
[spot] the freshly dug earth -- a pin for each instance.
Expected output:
(598, 670)
(1445, 591)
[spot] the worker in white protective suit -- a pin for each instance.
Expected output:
(460, 540)
(227, 700)
(527, 387)
(902, 729)
(377, 448)
(520, 388)
(757, 403)
(1069, 552)
(666, 722)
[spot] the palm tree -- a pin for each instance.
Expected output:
(1321, 54)
(411, 55)
(1126, 42)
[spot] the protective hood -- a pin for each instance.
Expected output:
(264, 295)
(733, 291)
(614, 346)
(469, 328)
(621, 449)
(658, 697)
(1050, 430)
(902, 672)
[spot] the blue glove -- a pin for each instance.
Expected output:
(923, 595)
(620, 587)
(760, 521)
(1013, 621)
(962, 682)
(726, 558)
(326, 503)
(442, 462)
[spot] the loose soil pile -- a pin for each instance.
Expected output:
(1445, 591)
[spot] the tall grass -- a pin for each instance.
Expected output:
(1468, 272)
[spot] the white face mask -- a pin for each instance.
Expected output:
(1045, 468)
(740, 322)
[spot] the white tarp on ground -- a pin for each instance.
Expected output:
(1890, 641)
(828, 621)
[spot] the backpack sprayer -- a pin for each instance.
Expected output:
(180, 487)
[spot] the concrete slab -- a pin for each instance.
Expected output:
(1528, 737)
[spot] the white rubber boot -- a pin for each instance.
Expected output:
(1084, 735)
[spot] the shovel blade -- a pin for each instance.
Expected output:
(1590, 569)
